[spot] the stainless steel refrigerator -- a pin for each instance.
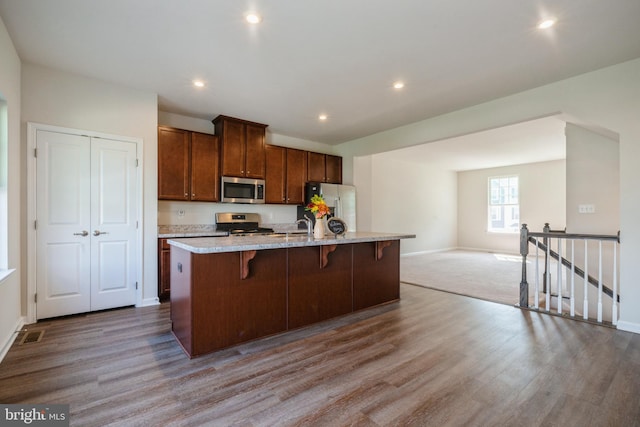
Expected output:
(341, 199)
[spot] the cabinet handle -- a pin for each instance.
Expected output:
(193, 196)
(186, 195)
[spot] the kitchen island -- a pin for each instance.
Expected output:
(228, 290)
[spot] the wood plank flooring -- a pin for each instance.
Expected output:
(433, 358)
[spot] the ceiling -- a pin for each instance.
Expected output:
(534, 141)
(335, 57)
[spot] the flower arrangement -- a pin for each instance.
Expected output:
(318, 207)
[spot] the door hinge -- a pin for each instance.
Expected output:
(35, 297)
(137, 163)
(35, 224)
(136, 285)
(136, 225)
(35, 152)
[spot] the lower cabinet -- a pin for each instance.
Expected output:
(376, 272)
(222, 299)
(164, 276)
(214, 305)
(318, 292)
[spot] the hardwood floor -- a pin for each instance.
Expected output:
(433, 358)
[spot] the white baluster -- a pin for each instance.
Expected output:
(572, 310)
(548, 277)
(600, 281)
(614, 306)
(559, 276)
(537, 285)
(585, 305)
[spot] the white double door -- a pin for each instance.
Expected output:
(86, 192)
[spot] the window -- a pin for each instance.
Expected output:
(504, 207)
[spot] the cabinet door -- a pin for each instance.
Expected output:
(173, 164)
(296, 175)
(233, 148)
(164, 271)
(254, 153)
(376, 280)
(276, 158)
(315, 167)
(318, 292)
(204, 167)
(228, 309)
(333, 169)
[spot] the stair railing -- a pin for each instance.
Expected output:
(542, 241)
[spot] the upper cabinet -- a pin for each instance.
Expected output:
(242, 147)
(188, 165)
(286, 175)
(324, 168)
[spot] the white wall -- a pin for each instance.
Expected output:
(542, 199)
(593, 177)
(67, 100)
(10, 314)
(404, 197)
(608, 98)
(593, 172)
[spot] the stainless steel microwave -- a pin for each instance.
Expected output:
(242, 190)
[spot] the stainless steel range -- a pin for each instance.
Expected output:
(240, 224)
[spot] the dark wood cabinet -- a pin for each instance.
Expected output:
(188, 165)
(164, 274)
(324, 168)
(333, 168)
(242, 147)
(213, 306)
(319, 290)
(222, 299)
(376, 273)
(276, 174)
(286, 173)
(173, 163)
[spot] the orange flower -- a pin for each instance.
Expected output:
(318, 207)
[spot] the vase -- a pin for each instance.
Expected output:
(318, 229)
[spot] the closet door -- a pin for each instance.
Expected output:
(63, 203)
(86, 224)
(113, 223)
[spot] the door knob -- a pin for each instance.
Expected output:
(98, 232)
(83, 234)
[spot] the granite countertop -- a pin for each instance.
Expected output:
(207, 245)
(193, 230)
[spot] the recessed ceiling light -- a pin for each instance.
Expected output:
(198, 83)
(323, 117)
(547, 23)
(253, 18)
(398, 85)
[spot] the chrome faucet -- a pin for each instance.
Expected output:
(307, 221)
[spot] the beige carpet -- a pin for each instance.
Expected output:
(489, 276)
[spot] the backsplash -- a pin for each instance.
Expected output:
(186, 213)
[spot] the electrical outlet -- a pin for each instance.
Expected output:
(586, 209)
(181, 213)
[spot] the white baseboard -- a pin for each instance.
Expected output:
(433, 251)
(150, 301)
(7, 342)
(629, 326)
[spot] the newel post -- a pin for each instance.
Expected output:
(524, 251)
